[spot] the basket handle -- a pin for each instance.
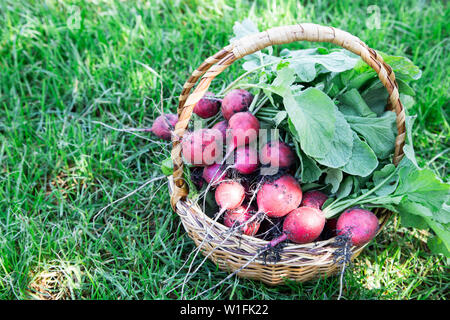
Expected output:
(217, 63)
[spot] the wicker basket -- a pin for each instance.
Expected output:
(298, 262)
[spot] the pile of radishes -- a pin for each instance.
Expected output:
(234, 168)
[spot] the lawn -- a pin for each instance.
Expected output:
(74, 74)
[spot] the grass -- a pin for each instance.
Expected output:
(60, 167)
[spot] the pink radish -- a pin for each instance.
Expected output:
(163, 125)
(304, 224)
(222, 127)
(229, 195)
(314, 199)
(244, 128)
(214, 174)
(277, 154)
(238, 217)
(279, 197)
(202, 147)
(361, 225)
(208, 106)
(246, 160)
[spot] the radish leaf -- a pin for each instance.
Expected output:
(313, 116)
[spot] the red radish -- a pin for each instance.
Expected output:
(304, 224)
(276, 154)
(202, 147)
(240, 216)
(230, 195)
(222, 127)
(279, 197)
(163, 125)
(244, 128)
(314, 199)
(360, 224)
(214, 174)
(207, 106)
(236, 100)
(246, 160)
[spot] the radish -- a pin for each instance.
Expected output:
(202, 147)
(246, 160)
(214, 174)
(222, 127)
(304, 224)
(229, 195)
(279, 197)
(301, 225)
(207, 106)
(163, 125)
(276, 154)
(237, 100)
(239, 217)
(244, 128)
(314, 199)
(360, 224)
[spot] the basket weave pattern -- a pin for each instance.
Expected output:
(232, 251)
